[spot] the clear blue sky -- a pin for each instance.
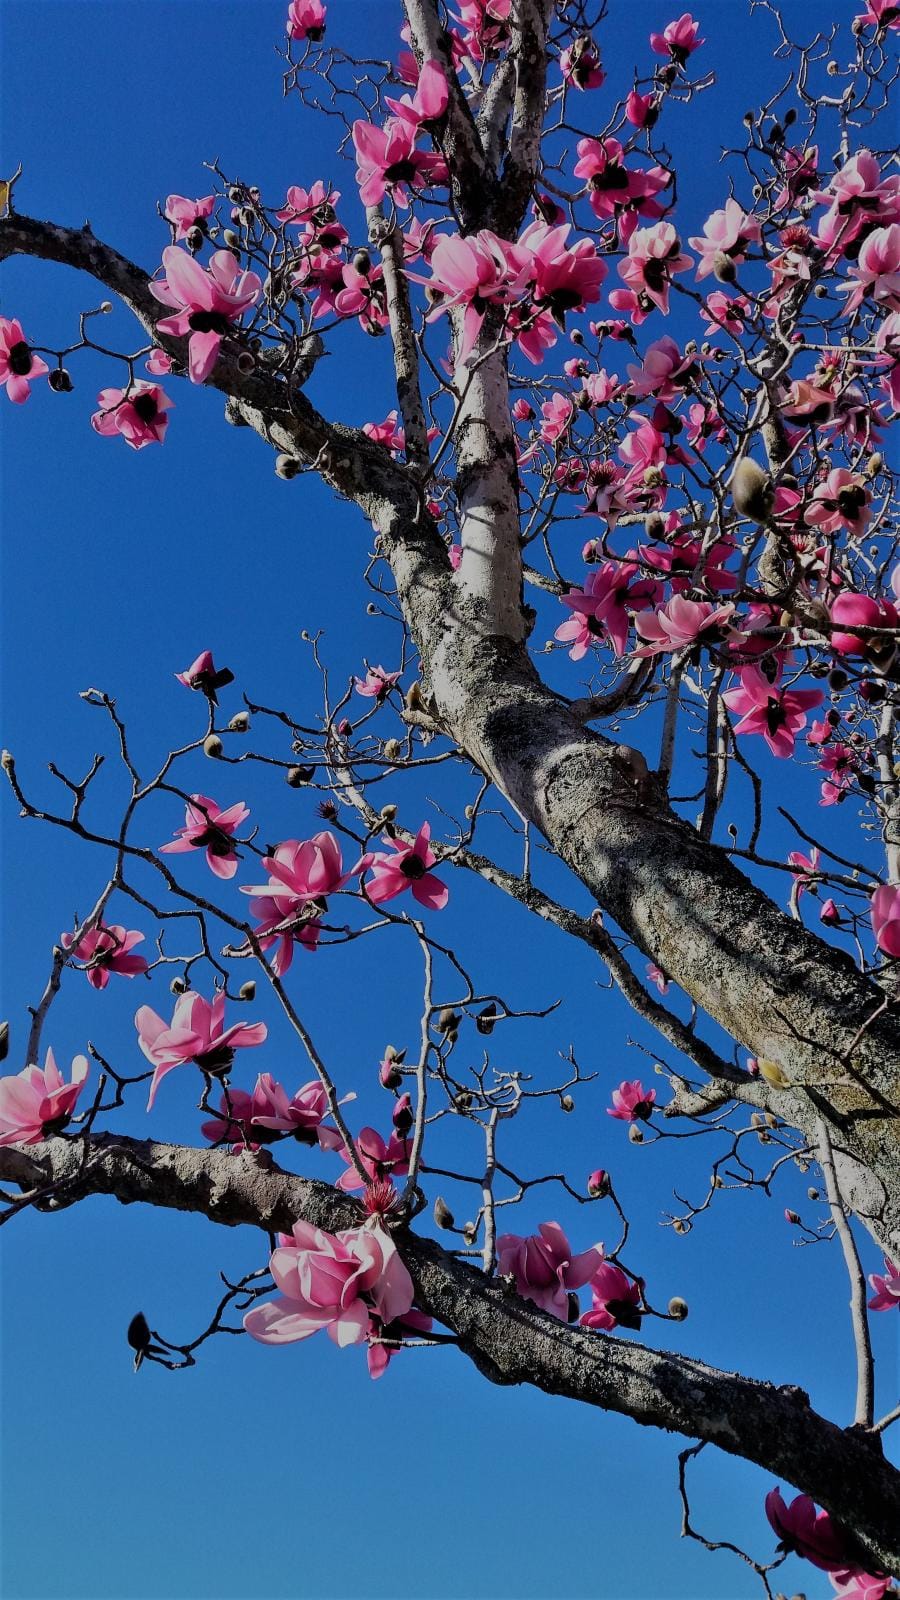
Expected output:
(286, 1473)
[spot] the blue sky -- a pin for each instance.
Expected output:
(287, 1473)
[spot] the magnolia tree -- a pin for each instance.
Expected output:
(698, 534)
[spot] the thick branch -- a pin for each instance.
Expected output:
(509, 1341)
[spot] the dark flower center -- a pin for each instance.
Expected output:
(775, 717)
(213, 838)
(413, 867)
(850, 503)
(208, 322)
(612, 177)
(400, 172)
(626, 1314)
(216, 1060)
(146, 407)
(654, 273)
(19, 359)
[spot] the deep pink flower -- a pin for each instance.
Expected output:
(301, 874)
(333, 1281)
(598, 1183)
(386, 1339)
(726, 232)
(876, 270)
(842, 501)
(615, 1300)
(379, 1159)
(678, 39)
(377, 683)
(882, 14)
(679, 624)
(632, 1102)
(105, 949)
(885, 912)
(656, 976)
(37, 1103)
(580, 64)
(641, 109)
(841, 764)
(259, 1117)
(806, 1532)
(544, 1267)
(430, 99)
(565, 278)
(197, 1033)
(723, 314)
(474, 272)
(800, 174)
(202, 674)
(363, 297)
(486, 26)
(861, 611)
(407, 868)
(805, 870)
(557, 413)
(615, 190)
(306, 20)
(208, 828)
(603, 607)
(778, 714)
(207, 303)
(19, 366)
(187, 214)
(137, 413)
(387, 161)
(654, 256)
(664, 371)
(886, 1286)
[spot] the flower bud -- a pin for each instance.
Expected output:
(486, 1019)
(247, 991)
(213, 747)
(59, 381)
(598, 1184)
(391, 749)
(874, 465)
(194, 240)
(812, 1194)
(362, 261)
(4, 1040)
(635, 1134)
(246, 363)
(678, 1308)
(240, 722)
(470, 1232)
(402, 1115)
(105, 306)
(443, 1216)
(413, 697)
(791, 1217)
(179, 986)
(286, 467)
(448, 1020)
(388, 813)
(230, 239)
(566, 1103)
(680, 1227)
(723, 267)
(752, 490)
(298, 777)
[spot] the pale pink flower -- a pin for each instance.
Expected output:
(363, 297)
(726, 232)
(805, 870)
(544, 1267)
(842, 501)
(207, 303)
(203, 675)
(857, 197)
(334, 1281)
(853, 1585)
(314, 209)
(656, 976)
(19, 366)
(806, 1532)
(580, 64)
(306, 20)
(557, 413)
(615, 190)
(187, 214)
(724, 314)
(664, 371)
(137, 413)
(778, 714)
(158, 363)
(679, 624)
(678, 40)
(196, 1033)
(886, 919)
(37, 1103)
(886, 1286)
(105, 949)
(386, 1339)
(377, 683)
(616, 1299)
(211, 829)
(407, 868)
(474, 272)
(876, 270)
(631, 1102)
(654, 256)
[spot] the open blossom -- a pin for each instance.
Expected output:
(580, 65)
(211, 829)
(857, 198)
(267, 1112)
(654, 256)
(557, 413)
(726, 232)
(363, 297)
(158, 363)
(301, 872)
(877, 270)
(564, 277)
(886, 1286)
(105, 949)
(615, 190)
(407, 868)
(306, 20)
(486, 26)
(386, 1338)
(663, 372)
(804, 870)
(387, 161)
(603, 607)
(885, 911)
(853, 1585)
(806, 1532)
(840, 764)
(196, 1033)
(430, 99)
(678, 39)
(312, 208)
(841, 501)
(679, 624)
(377, 683)
(474, 272)
(202, 674)
(631, 1102)
(544, 1267)
(207, 303)
(187, 214)
(641, 109)
(615, 1300)
(37, 1103)
(19, 366)
(881, 14)
(724, 314)
(800, 174)
(333, 1281)
(137, 413)
(860, 611)
(380, 1159)
(764, 707)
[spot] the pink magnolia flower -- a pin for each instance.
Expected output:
(334, 1281)
(306, 20)
(19, 366)
(267, 1112)
(475, 272)
(806, 1532)
(632, 1102)
(158, 363)
(800, 175)
(211, 829)
(882, 14)
(196, 1033)
(840, 764)
(805, 870)
(207, 303)
(654, 256)
(778, 714)
(203, 674)
(387, 161)
(301, 874)
(137, 413)
(877, 271)
(363, 297)
(726, 232)
(603, 607)
(860, 610)
(857, 197)
(656, 976)
(641, 109)
(379, 1159)
(407, 868)
(679, 624)
(430, 100)
(385, 1339)
(885, 912)
(557, 413)
(842, 501)
(377, 683)
(615, 1300)
(105, 949)
(678, 39)
(615, 190)
(580, 64)
(187, 214)
(565, 278)
(486, 26)
(853, 1585)
(723, 314)
(664, 371)
(886, 1286)
(36, 1103)
(598, 1183)
(314, 210)
(544, 1267)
